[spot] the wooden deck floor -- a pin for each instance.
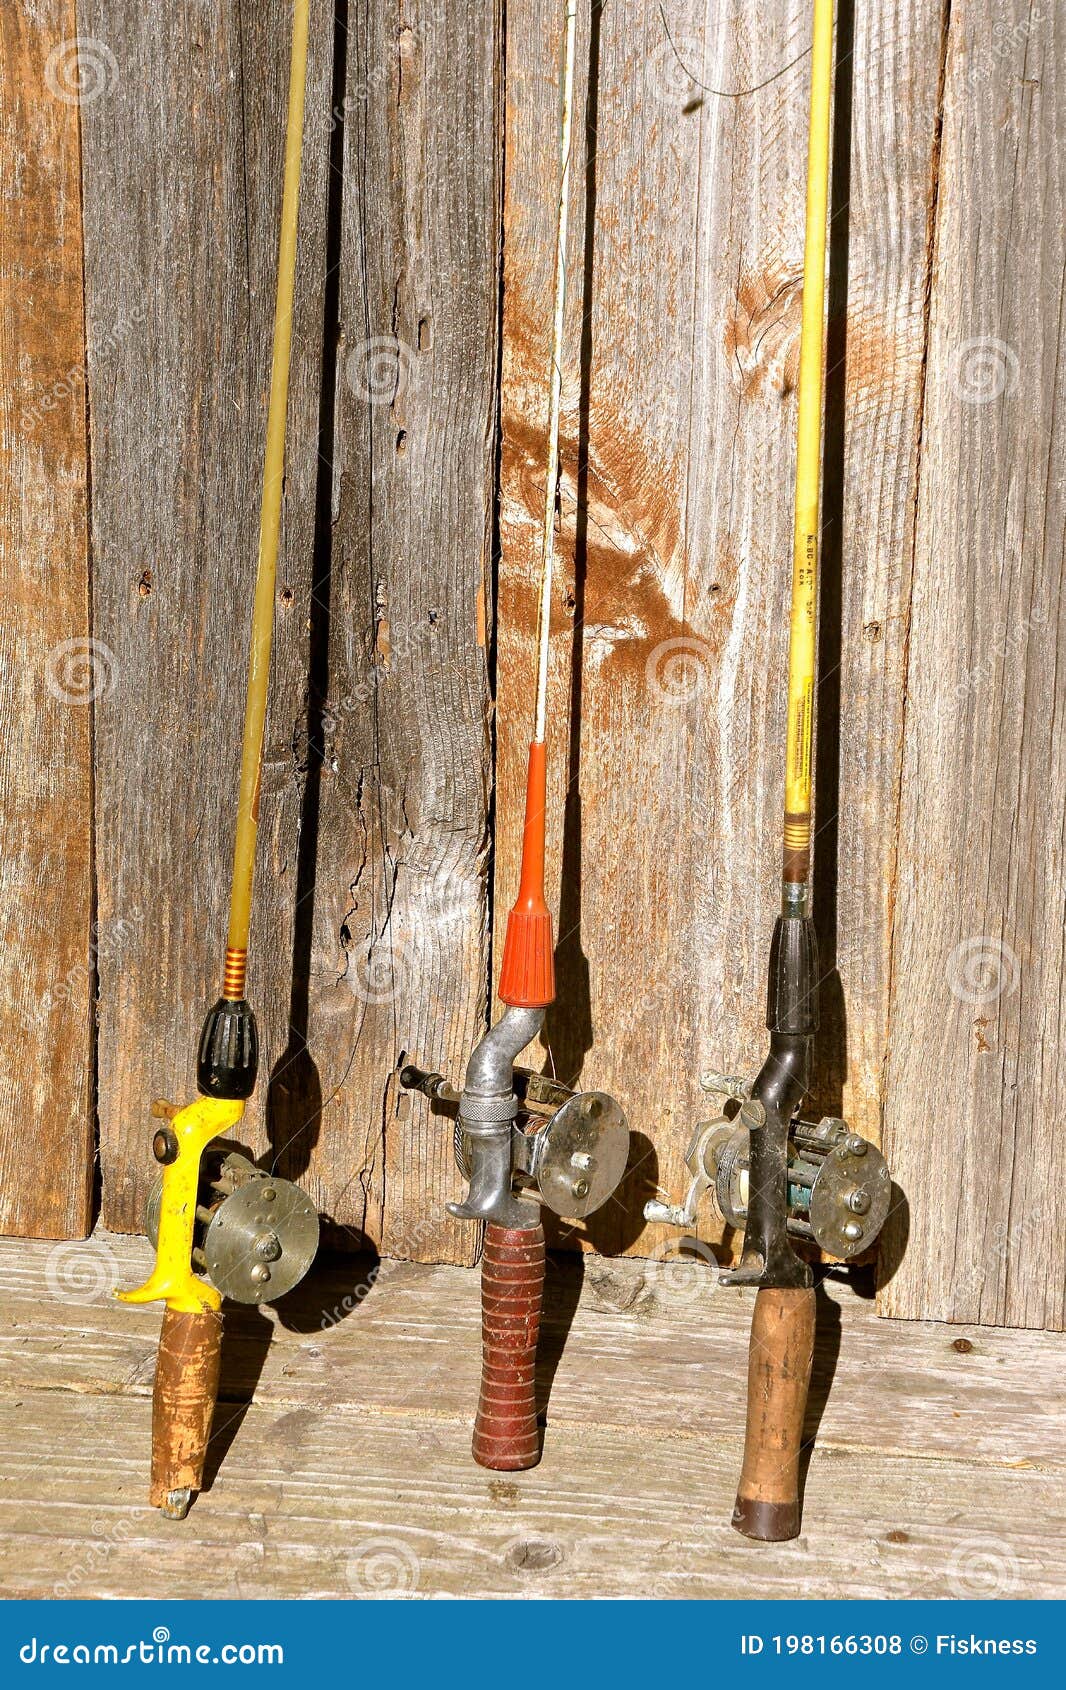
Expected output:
(938, 1462)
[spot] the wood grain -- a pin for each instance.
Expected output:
(404, 838)
(780, 1356)
(183, 1400)
(656, 1349)
(645, 1413)
(49, 673)
(678, 445)
(977, 1067)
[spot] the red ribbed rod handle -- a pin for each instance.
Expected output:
(512, 1290)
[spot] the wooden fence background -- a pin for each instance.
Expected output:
(400, 708)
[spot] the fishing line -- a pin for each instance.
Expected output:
(729, 93)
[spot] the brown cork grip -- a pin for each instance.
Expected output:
(183, 1405)
(779, 1373)
(512, 1289)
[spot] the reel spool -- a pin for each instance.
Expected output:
(839, 1186)
(256, 1235)
(571, 1147)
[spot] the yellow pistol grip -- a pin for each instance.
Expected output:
(172, 1280)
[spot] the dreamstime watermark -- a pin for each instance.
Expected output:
(684, 1269)
(1007, 1239)
(382, 967)
(406, 645)
(380, 370)
(81, 70)
(358, 96)
(983, 1568)
(403, 1248)
(93, 1557)
(672, 68)
(81, 1271)
(980, 970)
(383, 1567)
(106, 943)
(984, 369)
(678, 669)
(158, 1650)
(1007, 39)
(80, 671)
(983, 671)
(105, 344)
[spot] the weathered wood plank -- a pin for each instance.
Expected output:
(314, 1505)
(50, 670)
(656, 1349)
(352, 1464)
(676, 532)
(404, 846)
(977, 1062)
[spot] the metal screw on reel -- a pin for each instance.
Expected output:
(850, 1188)
(256, 1235)
(577, 1159)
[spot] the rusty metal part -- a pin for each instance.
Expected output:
(850, 1198)
(183, 1406)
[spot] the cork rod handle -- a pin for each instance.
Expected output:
(779, 1374)
(183, 1406)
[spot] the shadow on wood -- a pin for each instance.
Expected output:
(831, 1046)
(562, 1293)
(246, 1339)
(827, 1337)
(294, 1106)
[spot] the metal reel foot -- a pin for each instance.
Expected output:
(176, 1504)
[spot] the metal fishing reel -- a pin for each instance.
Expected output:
(255, 1235)
(569, 1149)
(839, 1186)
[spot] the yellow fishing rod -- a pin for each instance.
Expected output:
(254, 1235)
(778, 1179)
(802, 653)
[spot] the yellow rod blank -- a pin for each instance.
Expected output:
(803, 637)
(269, 521)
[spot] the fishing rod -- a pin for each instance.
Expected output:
(524, 1140)
(253, 1235)
(770, 1174)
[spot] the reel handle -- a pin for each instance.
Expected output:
(779, 1374)
(506, 1438)
(183, 1406)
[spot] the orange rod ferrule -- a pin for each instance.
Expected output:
(527, 975)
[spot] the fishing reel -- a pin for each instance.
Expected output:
(839, 1186)
(568, 1149)
(255, 1235)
